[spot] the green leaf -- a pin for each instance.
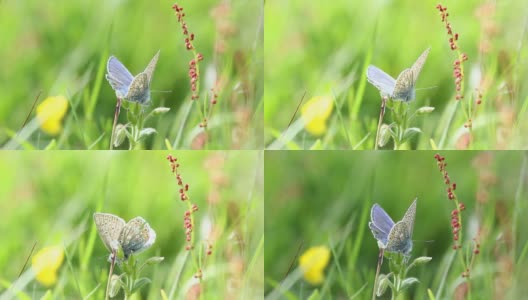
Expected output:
(160, 110)
(138, 284)
(120, 254)
(115, 286)
(383, 283)
(384, 135)
(154, 260)
(120, 134)
(433, 144)
(168, 144)
(422, 260)
(407, 282)
(131, 116)
(164, 295)
(410, 132)
(146, 132)
(424, 110)
(430, 294)
(151, 261)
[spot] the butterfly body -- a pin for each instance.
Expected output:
(402, 88)
(132, 237)
(128, 87)
(393, 237)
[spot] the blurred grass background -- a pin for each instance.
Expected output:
(324, 49)
(49, 198)
(329, 203)
(61, 48)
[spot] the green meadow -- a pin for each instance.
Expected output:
(324, 49)
(62, 48)
(49, 201)
(329, 205)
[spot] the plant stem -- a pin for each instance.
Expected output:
(112, 264)
(382, 113)
(380, 262)
(116, 115)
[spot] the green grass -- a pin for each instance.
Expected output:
(324, 49)
(330, 202)
(62, 49)
(49, 199)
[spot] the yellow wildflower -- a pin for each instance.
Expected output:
(46, 263)
(51, 112)
(313, 262)
(316, 112)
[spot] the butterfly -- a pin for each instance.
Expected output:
(133, 237)
(128, 87)
(393, 237)
(403, 87)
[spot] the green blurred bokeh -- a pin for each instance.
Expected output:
(48, 198)
(324, 198)
(321, 48)
(61, 48)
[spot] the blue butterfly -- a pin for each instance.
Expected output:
(393, 237)
(128, 87)
(403, 87)
(133, 237)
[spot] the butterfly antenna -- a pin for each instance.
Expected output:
(426, 241)
(428, 88)
(30, 111)
(378, 268)
(27, 259)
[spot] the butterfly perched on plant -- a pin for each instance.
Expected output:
(393, 237)
(128, 87)
(403, 87)
(132, 237)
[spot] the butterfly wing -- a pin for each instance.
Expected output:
(404, 89)
(381, 80)
(381, 224)
(149, 70)
(139, 90)
(109, 227)
(401, 234)
(399, 239)
(136, 236)
(418, 64)
(118, 76)
(406, 81)
(409, 217)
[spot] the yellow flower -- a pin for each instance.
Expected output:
(313, 262)
(315, 113)
(50, 114)
(46, 263)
